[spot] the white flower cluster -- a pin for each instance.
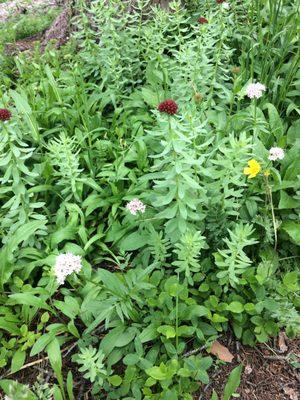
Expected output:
(135, 205)
(65, 265)
(255, 90)
(276, 153)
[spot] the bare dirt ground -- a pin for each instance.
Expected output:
(268, 373)
(13, 7)
(58, 31)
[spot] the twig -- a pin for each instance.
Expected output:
(282, 358)
(208, 385)
(195, 351)
(40, 360)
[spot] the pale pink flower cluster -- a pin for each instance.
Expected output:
(65, 265)
(255, 90)
(276, 153)
(135, 205)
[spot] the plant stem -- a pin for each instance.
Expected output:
(177, 303)
(269, 194)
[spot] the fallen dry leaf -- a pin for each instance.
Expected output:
(217, 349)
(291, 393)
(281, 342)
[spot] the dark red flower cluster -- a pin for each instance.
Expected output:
(220, 1)
(202, 20)
(168, 106)
(5, 114)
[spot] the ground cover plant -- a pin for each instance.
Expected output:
(150, 197)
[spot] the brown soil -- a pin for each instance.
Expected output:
(267, 373)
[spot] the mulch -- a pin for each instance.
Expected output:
(267, 373)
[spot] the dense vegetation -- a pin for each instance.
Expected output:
(134, 231)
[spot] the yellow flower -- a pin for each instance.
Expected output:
(267, 173)
(253, 169)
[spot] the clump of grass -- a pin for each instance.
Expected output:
(26, 25)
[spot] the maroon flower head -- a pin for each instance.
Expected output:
(168, 106)
(220, 1)
(5, 114)
(202, 20)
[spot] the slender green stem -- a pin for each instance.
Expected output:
(177, 304)
(269, 195)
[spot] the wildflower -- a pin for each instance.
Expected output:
(135, 205)
(267, 173)
(253, 168)
(225, 5)
(65, 265)
(221, 1)
(168, 106)
(276, 153)
(5, 114)
(255, 90)
(202, 20)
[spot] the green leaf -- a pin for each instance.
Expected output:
(167, 330)
(70, 386)
(66, 233)
(18, 360)
(72, 329)
(112, 282)
(131, 359)
(125, 338)
(233, 382)
(235, 307)
(214, 396)
(290, 280)
(24, 108)
(287, 202)
(186, 331)
(29, 299)
(57, 393)
(54, 354)
(219, 318)
(9, 326)
(133, 241)
(293, 230)
(158, 373)
(275, 121)
(108, 343)
(69, 307)
(115, 380)
(149, 333)
(151, 98)
(198, 311)
(22, 234)
(41, 343)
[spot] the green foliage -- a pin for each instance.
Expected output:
(213, 250)
(92, 364)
